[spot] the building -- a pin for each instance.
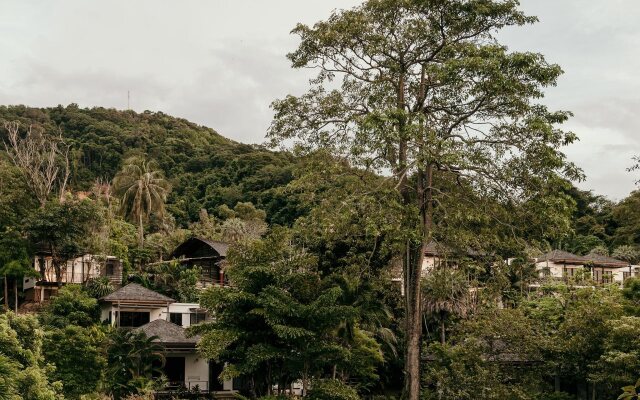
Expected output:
(437, 255)
(208, 255)
(136, 307)
(78, 270)
(562, 265)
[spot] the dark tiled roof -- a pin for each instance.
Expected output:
(135, 292)
(185, 247)
(220, 247)
(590, 259)
(168, 333)
(562, 256)
(607, 261)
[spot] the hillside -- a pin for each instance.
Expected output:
(205, 169)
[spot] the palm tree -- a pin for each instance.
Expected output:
(374, 316)
(445, 292)
(143, 191)
(133, 359)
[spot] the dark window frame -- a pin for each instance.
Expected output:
(196, 318)
(133, 319)
(175, 318)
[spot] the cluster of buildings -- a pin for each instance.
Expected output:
(556, 265)
(135, 307)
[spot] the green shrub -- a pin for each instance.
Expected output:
(332, 389)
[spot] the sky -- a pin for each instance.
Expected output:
(220, 63)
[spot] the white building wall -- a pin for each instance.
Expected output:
(428, 263)
(78, 270)
(555, 270)
(186, 309)
(196, 371)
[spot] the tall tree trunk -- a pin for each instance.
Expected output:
(140, 232)
(414, 262)
(15, 294)
(58, 269)
(414, 324)
(6, 293)
(443, 332)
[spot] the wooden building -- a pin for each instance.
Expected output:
(207, 254)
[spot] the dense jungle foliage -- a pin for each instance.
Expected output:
(205, 169)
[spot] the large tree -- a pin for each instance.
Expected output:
(421, 90)
(280, 322)
(143, 191)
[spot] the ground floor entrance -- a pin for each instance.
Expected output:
(174, 371)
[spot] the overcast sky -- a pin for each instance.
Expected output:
(220, 63)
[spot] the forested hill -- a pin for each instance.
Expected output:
(205, 169)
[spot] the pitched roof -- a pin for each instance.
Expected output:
(168, 333)
(135, 292)
(189, 245)
(597, 259)
(562, 256)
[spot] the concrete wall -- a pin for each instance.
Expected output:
(196, 371)
(78, 270)
(186, 309)
(556, 270)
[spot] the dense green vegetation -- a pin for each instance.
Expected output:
(321, 292)
(205, 169)
(327, 241)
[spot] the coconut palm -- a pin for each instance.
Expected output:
(143, 191)
(133, 360)
(445, 293)
(374, 316)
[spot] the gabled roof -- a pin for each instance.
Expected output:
(168, 333)
(562, 257)
(137, 293)
(605, 261)
(189, 245)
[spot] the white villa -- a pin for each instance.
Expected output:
(437, 254)
(136, 307)
(79, 270)
(561, 264)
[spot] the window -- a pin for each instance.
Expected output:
(602, 276)
(111, 269)
(133, 319)
(196, 318)
(626, 275)
(176, 318)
